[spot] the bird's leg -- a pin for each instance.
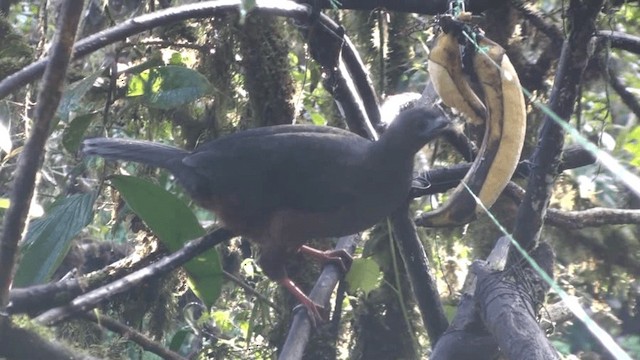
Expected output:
(339, 257)
(316, 312)
(272, 259)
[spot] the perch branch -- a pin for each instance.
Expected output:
(300, 329)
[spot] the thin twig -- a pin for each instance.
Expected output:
(133, 335)
(253, 291)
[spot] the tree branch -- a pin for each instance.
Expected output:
(546, 158)
(24, 344)
(620, 40)
(300, 329)
(91, 299)
(432, 7)
(507, 303)
(536, 19)
(130, 333)
(327, 42)
(146, 22)
(32, 155)
(466, 327)
(37, 298)
(627, 97)
(422, 281)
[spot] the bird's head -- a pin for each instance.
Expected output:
(415, 127)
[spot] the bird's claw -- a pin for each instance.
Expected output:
(317, 314)
(340, 257)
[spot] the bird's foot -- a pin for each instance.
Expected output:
(339, 257)
(317, 313)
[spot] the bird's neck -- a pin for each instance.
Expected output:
(392, 157)
(394, 146)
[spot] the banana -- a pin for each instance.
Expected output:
(445, 71)
(502, 143)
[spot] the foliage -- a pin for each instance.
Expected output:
(190, 84)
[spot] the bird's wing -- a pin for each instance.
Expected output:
(306, 171)
(277, 130)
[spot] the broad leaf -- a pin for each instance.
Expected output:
(49, 238)
(364, 275)
(73, 94)
(167, 87)
(632, 145)
(174, 223)
(178, 339)
(74, 132)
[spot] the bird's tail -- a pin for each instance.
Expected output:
(144, 152)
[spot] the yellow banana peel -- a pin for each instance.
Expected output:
(504, 133)
(445, 71)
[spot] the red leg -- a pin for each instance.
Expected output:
(315, 311)
(339, 257)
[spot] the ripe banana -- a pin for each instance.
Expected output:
(445, 71)
(502, 143)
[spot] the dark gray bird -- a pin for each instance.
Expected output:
(283, 185)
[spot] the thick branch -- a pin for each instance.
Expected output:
(620, 40)
(440, 180)
(24, 344)
(546, 158)
(300, 329)
(592, 217)
(627, 96)
(466, 338)
(431, 7)
(351, 58)
(327, 42)
(33, 153)
(38, 298)
(422, 281)
(507, 309)
(91, 299)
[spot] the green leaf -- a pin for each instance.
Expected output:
(632, 145)
(178, 339)
(318, 119)
(176, 59)
(4, 203)
(74, 132)
(73, 94)
(49, 238)
(364, 275)
(174, 223)
(167, 87)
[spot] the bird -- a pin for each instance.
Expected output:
(280, 186)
